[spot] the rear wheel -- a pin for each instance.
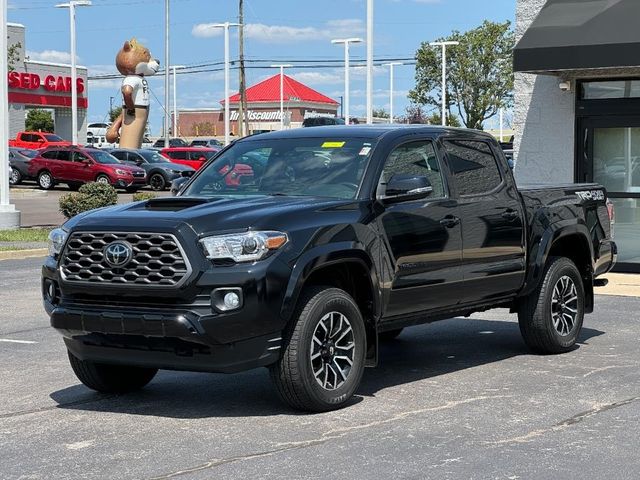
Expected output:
(551, 317)
(15, 177)
(157, 182)
(110, 378)
(45, 180)
(323, 359)
(103, 179)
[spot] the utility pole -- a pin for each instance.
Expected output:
(281, 67)
(369, 61)
(444, 46)
(243, 119)
(167, 85)
(346, 42)
(391, 65)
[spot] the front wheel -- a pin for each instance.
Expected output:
(45, 180)
(324, 355)
(110, 378)
(15, 177)
(157, 182)
(103, 179)
(551, 317)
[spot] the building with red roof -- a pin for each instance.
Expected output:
(263, 109)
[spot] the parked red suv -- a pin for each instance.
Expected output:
(75, 166)
(36, 140)
(196, 157)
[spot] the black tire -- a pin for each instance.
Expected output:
(45, 180)
(293, 374)
(110, 378)
(102, 178)
(157, 182)
(537, 313)
(390, 334)
(15, 177)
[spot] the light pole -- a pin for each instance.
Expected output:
(226, 26)
(346, 42)
(175, 100)
(9, 216)
(444, 75)
(391, 65)
(74, 72)
(167, 62)
(281, 67)
(369, 61)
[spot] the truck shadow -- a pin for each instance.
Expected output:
(419, 353)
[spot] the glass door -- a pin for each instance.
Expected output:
(609, 154)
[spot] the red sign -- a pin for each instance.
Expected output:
(51, 83)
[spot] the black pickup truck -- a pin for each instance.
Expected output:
(341, 237)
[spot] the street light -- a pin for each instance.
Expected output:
(369, 61)
(346, 42)
(444, 75)
(281, 67)
(226, 26)
(391, 65)
(175, 99)
(167, 62)
(74, 73)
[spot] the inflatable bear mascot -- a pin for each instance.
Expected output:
(135, 62)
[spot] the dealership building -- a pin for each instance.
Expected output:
(45, 85)
(263, 109)
(577, 103)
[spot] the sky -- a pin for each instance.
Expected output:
(279, 31)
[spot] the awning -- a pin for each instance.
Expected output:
(581, 34)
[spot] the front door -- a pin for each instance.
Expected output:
(422, 236)
(609, 154)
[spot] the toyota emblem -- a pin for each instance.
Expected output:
(118, 254)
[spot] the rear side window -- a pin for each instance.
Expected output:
(180, 155)
(64, 155)
(473, 166)
(27, 137)
(50, 154)
(120, 155)
(198, 155)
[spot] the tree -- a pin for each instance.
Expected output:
(380, 113)
(436, 119)
(39, 121)
(114, 113)
(414, 114)
(13, 55)
(479, 73)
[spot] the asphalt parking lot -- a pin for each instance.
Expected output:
(458, 399)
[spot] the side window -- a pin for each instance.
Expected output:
(120, 155)
(179, 155)
(64, 155)
(27, 137)
(78, 157)
(415, 158)
(473, 166)
(197, 155)
(50, 155)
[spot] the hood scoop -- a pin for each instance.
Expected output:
(174, 204)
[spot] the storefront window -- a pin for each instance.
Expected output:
(610, 89)
(616, 159)
(627, 229)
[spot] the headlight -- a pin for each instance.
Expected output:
(57, 237)
(243, 247)
(121, 172)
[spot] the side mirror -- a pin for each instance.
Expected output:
(402, 187)
(511, 164)
(178, 185)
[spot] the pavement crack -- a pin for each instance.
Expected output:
(327, 436)
(566, 423)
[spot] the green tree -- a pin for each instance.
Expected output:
(13, 55)
(380, 113)
(436, 119)
(414, 114)
(114, 114)
(39, 121)
(479, 73)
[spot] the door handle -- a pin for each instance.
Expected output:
(449, 221)
(510, 214)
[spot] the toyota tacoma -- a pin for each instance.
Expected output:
(341, 237)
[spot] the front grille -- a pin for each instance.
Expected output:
(157, 259)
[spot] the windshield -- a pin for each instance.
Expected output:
(103, 157)
(53, 138)
(294, 166)
(154, 157)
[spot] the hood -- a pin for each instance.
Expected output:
(123, 166)
(211, 215)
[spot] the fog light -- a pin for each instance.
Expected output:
(231, 300)
(227, 299)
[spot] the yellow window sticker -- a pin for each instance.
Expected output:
(333, 144)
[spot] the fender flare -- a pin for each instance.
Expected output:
(538, 256)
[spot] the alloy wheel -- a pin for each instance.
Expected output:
(14, 176)
(45, 180)
(332, 350)
(564, 305)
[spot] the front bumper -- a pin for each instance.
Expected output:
(127, 182)
(169, 328)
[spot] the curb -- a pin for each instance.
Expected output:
(24, 193)
(21, 254)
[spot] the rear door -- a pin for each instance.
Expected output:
(423, 237)
(65, 169)
(491, 212)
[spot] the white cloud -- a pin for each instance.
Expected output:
(318, 78)
(53, 56)
(284, 33)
